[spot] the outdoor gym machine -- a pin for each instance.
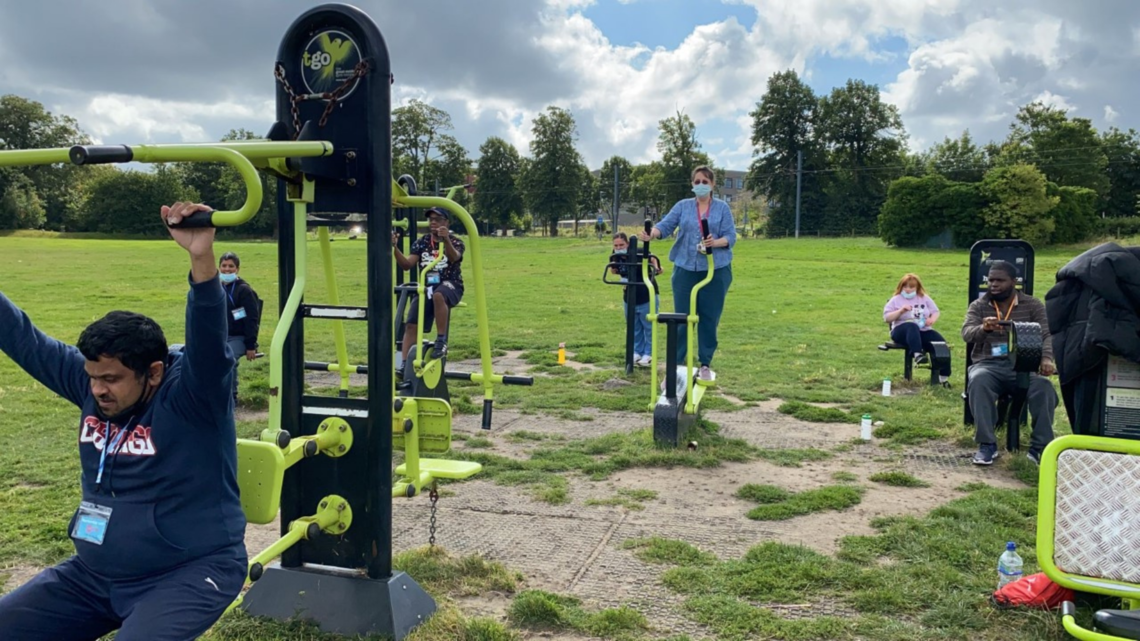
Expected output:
(676, 408)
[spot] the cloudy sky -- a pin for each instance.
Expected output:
(135, 71)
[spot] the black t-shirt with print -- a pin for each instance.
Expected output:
(427, 246)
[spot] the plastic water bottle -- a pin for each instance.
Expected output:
(1009, 565)
(887, 386)
(865, 428)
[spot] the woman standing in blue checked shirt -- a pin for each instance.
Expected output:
(690, 266)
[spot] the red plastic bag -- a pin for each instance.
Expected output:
(1033, 591)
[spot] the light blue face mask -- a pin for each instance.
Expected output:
(619, 251)
(702, 190)
(909, 295)
(228, 278)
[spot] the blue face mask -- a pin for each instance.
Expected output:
(909, 295)
(228, 278)
(619, 251)
(702, 190)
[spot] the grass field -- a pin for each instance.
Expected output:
(801, 324)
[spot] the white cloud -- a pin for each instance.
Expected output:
(1053, 100)
(138, 119)
(968, 64)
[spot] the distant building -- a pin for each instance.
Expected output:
(731, 185)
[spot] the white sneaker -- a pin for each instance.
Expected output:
(644, 361)
(706, 374)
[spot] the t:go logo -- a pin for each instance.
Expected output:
(316, 61)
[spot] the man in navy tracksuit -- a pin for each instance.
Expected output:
(159, 532)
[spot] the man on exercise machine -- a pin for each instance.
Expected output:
(443, 284)
(159, 534)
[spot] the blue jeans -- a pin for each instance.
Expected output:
(642, 328)
(710, 305)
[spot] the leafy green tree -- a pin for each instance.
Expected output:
(1067, 150)
(26, 124)
(449, 169)
(865, 138)
(1075, 215)
(1122, 150)
(912, 212)
(417, 130)
(127, 202)
(784, 125)
(1018, 203)
(680, 155)
(958, 159)
(553, 178)
(649, 190)
(20, 206)
(606, 181)
(497, 198)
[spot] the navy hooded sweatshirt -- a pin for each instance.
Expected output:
(173, 486)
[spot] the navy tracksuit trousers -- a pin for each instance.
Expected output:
(70, 602)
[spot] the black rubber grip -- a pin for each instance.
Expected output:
(704, 227)
(196, 220)
(518, 380)
(100, 154)
(648, 225)
(1026, 347)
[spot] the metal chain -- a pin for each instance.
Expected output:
(434, 496)
(293, 99)
(333, 96)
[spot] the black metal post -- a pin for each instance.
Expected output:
(633, 281)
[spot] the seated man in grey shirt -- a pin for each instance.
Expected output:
(992, 375)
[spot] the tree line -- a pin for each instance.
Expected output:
(510, 190)
(1054, 178)
(1049, 180)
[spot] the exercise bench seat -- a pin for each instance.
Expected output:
(938, 353)
(444, 469)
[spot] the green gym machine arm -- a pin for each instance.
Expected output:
(418, 364)
(691, 335)
(652, 316)
(233, 154)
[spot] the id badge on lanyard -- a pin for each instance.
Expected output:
(1002, 349)
(91, 523)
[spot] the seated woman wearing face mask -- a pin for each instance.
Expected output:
(243, 307)
(911, 315)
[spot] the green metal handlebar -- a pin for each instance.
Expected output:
(31, 157)
(103, 154)
(237, 153)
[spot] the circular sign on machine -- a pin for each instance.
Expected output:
(328, 61)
